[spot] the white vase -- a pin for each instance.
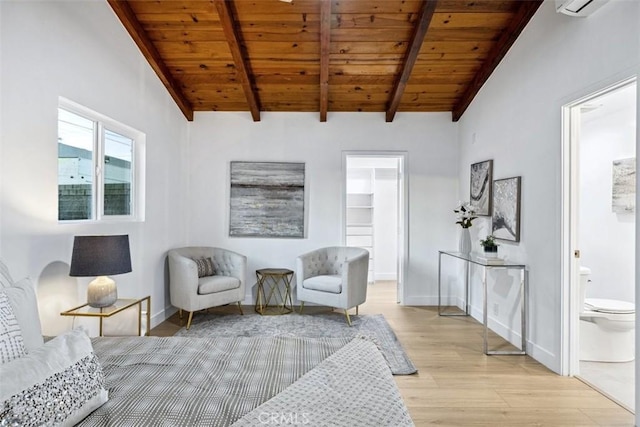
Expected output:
(464, 246)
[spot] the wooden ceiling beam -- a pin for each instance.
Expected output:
(523, 15)
(128, 18)
(426, 13)
(231, 32)
(325, 39)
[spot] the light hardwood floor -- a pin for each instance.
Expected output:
(457, 385)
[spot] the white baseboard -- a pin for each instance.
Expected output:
(418, 300)
(248, 300)
(544, 356)
(498, 327)
(429, 301)
(163, 315)
(385, 276)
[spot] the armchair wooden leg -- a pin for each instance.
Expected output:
(189, 321)
(357, 306)
(240, 307)
(301, 306)
(180, 313)
(346, 313)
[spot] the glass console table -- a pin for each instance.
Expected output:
(473, 259)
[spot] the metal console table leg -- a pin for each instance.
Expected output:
(523, 319)
(466, 290)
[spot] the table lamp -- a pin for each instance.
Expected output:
(100, 256)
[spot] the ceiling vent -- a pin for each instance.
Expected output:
(580, 8)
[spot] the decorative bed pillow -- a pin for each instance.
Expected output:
(58, 384)
(11, 342)
(22, 297)
(205, 266)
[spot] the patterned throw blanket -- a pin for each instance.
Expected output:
(178, 381)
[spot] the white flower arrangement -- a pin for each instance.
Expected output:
(466, 214)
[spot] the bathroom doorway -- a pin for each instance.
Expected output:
(599, 240)
(374, 215)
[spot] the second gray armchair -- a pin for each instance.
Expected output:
(222, 280)
(333, 276)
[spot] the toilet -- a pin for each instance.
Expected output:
(607, 327)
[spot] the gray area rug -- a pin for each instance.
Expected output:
(329, 325)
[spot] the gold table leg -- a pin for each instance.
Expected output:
(273, 281)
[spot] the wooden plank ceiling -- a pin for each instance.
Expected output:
(324, 55)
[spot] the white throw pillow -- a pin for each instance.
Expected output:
(57, 384)
(5, 277)
(22, 297)
(11, 342)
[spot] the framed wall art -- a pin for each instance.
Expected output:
(505, 218)
(480, 187)
(267, 199)
(624, 186)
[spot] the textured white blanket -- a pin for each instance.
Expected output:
(351, 388)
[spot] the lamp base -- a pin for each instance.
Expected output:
(102, 292)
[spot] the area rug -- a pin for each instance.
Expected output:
(329, 325)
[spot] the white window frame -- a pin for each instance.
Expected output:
(104, 123)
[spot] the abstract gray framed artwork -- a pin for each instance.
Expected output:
(624, 186)
(505, 220)
(480, 187)
(267, 199)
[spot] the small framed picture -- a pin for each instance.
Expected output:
(624, 186)
(480, 187)
(505, 218)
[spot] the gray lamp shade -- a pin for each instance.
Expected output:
(100, 256)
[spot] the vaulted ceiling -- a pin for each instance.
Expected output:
(324, 55)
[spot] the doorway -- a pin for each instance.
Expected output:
(599, 240)
(374, 214)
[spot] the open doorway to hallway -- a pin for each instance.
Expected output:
(374, 214)
(601, 250)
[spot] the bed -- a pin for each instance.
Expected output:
(180, 381)
(246, 382)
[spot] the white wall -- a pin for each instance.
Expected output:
(516, 121)
(637, 260)
(429, 139)
(607, 239)
(80, 50)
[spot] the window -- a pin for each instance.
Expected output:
(99, 167)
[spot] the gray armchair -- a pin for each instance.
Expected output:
(334, 276)
(192, 293)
